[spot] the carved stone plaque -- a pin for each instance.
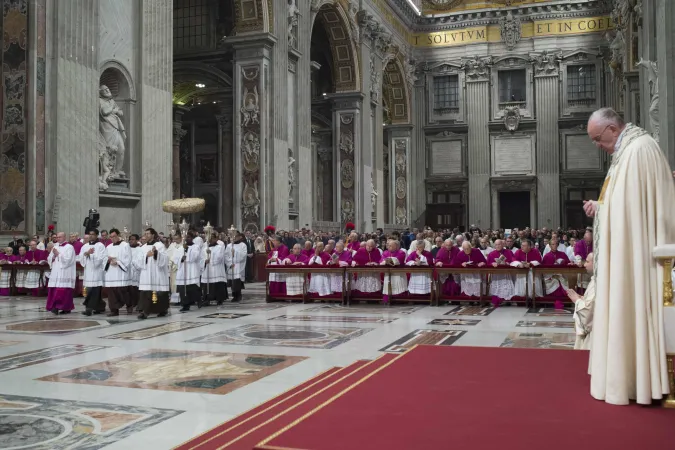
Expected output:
(446, 157)
(512, 155)
(581, 154)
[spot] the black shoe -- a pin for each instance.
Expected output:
(99, 312)
(113, 314)
(162, 314)
(142, 316)
(64, 312)
(87, 312)
(55, 311)
(184, 309)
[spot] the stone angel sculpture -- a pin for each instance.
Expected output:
(653, 77)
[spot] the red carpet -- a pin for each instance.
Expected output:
(436, 397)
(245, 431)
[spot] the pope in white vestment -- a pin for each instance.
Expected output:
(628, 359)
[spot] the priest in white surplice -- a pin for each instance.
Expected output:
(62, 260)
(236, 254)
(628, 356)
(214, 281)
(176, 244)
(135, 274)
(118, 274)
(153, 263)
(93, 257)
(189, 260)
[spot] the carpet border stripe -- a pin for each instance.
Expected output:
(314, 380)
(262, 444)
(306, 399)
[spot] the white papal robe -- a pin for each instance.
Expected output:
(628, 357)
(583, 318)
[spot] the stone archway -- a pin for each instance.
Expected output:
(346, 75)
(396, 93)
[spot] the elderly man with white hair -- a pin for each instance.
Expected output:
(341, 257)
(420, 283)
(367, 283)
(470, 258)
(393, 257)
(501, 286)
(628, 360)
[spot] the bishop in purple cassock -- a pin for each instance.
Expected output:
(556, 284)
(501, 286)
(393, 257)
(274, 258)
(444, 258)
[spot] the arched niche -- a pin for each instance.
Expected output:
(117, 78)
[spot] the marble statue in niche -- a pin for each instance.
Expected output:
(250, 108)
(653, 76)
(373, 195)
(347, 210)
(617, 46)
(347, 142)
(112, 135)
(347, 173)
(293, 13)
(291, 175)
(400, 215)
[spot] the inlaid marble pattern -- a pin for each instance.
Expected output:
(450, 322)
(157, 330)
(253, 306)
(550, 312)
(470, 311)
(46, 424)
(335, 319)
(8, 343)
(223, 316)
(43, 355)
(562, 341)
(546, 324)
(423, 337)
(175, 370)
(284, 336)
(364, 309)
(60, 326)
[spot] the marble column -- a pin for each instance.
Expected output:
(377, 139)
(547, 88)
(226, 167)
(178, 135)
(155, 100)
(255, 163)
(478, 114)
(348, 153)
(303, 131)
(665, 30)
(364, 161)
(419, 157)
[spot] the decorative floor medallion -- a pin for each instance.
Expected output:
(175, 370)
(61, 326)
(364, 309)
(423, 337)
(470, 311)
(450, 322)
(46, 424)
(284, 336)
(43, 355)
(562, 341)
(223, 316)
(335, 319)
(550, 312)
(546, 324)
(157, 330)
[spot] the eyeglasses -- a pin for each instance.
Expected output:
(599, 136)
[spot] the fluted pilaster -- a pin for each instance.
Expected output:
(305, 187)
(281, 122)
(548, 151)
(417, 163)
(365, 159)
(73, 132)
(478, 115)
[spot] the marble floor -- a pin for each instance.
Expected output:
(118, 383)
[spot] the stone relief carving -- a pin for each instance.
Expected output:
(546, 64)
(400, 156)
(653, 76)
(410, 70)
(250, 108)
(250, 149)
(112, 135)
(291, 174)
(347, 210)
(477, 69)
(347, 173)
(251, 200)
(509, 27)
(374, 80)
(637, 10)
(293, 13)
(400, 215)
(511, 118)
(617, 47)
(401, 188)
(352, 14)
(347, 142)
(373, 195)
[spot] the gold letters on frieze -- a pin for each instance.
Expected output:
(475, 35)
